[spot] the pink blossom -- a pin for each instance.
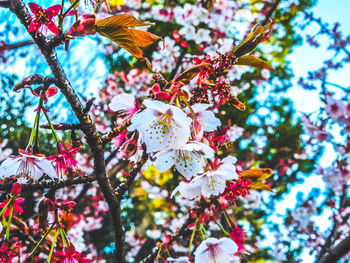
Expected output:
(335, 108)
(43, 18)
(64, 162)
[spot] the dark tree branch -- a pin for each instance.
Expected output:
(92, 136)
(50, 184)
(337, 252)
(62, 126)
(269, 13)
(115, 132)
(5, 3)
(125, 185)
(329, 240)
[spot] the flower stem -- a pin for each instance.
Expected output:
(60, 17)
(8, 203)
(9, 223)
(190, 108)
(72, 6)
(192, 236)
(52, 128)
(41, 240)
(221, 227)
(53, 245)
(32, 135)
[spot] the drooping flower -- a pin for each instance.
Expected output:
(213, 250)
(43, 18)
(161, 125)
(69, 255)
(212, 182)
(64, 161)
(188, 159)
(27, 165)
(17, 209)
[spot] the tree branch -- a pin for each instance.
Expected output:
(337, 252)
(92, 137)
(115, 132)
(50, 184)
(124, 186)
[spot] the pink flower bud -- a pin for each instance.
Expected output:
(16, 189)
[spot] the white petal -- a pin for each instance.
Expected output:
(190, 165)
(200, 107)
(10, 167)
(122, 102)
(208, 120)
(192, 189)
(213, 185)
(46, 167)
(141, 121)
(180, 117)
(228, 245)
(156, 105)
(164, 160)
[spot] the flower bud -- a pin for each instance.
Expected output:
(16, 189)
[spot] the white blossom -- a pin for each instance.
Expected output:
(189, 32)
(161, 125)
(203, 35)
(27, 165)
(188, 159)
(123, 102)
(212, 182)
(213, 250)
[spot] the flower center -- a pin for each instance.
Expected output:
(42, 17)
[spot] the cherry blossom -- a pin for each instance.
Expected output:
(161, 125)
(188, 159)
(27, 165)
(205, 120)
(43, 18)
(64, 162)
(125, 103)
(213, 250)
(212, 182)
(335, 108)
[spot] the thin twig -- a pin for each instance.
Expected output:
(115, 132)
(125, 185)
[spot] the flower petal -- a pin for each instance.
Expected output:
(35, 8)
(228, 245)
(156, 105)
(192, 189)
(52, 27)
(10, 167)
(45, 167)
(34, 26)
(53, 10)
(122, 102)
(208, 120)
(165, 160)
